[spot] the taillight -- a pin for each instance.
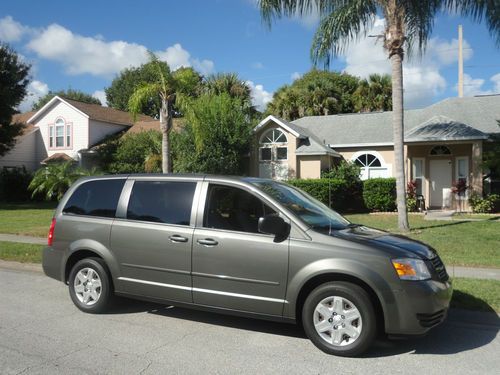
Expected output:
(50, 237)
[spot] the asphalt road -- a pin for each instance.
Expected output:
(42, 332)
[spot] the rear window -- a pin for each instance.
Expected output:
(166, 202)
(95, 198)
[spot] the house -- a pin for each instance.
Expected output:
(443, 144)
(65, 129)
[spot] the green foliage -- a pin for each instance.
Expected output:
(14, 185)
(349, 173)
(67, 94)
(490, 203)
(411, 204)
(216, 135)
(53, 180)
(316, 93)
(379, 194)
(14, 78)
(129, 153)
(374, 94)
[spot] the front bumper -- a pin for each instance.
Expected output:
(418, 306)
(52, 263)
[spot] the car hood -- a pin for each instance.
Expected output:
(381, 239)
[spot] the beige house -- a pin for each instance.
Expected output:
(443, 144)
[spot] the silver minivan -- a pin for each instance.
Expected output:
(244, 246)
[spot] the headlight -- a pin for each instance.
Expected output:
(411, 269)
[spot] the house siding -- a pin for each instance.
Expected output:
(99, 130)
(23, 153)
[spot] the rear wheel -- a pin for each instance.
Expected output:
(90, 285)
(339, 319)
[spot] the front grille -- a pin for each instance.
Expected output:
(439, 268)
(431, 320)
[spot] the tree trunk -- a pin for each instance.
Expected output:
(165, 126)
(398, 133)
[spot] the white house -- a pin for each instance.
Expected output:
(64, 129)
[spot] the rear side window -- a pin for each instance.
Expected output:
(166, 202)
(95, 198)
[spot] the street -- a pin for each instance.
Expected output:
(41, 331)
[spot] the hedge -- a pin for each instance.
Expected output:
(338, 192)
(379, 194)
(14, 185)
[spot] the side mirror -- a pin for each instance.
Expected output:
(273, 224)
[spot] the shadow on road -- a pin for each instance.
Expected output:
(461, 332)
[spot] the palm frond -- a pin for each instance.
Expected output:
(141, 96)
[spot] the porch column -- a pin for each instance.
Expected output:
(476, 172)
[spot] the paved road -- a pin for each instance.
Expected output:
(42, 332)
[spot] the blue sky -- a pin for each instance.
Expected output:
(84, 44)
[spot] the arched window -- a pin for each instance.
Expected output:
(60, 134)
(273, 146)
(440, 150)
(372, 164)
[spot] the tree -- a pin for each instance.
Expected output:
(14, 79)
(374, 94)
(53, 180)
(129, 80)
(316, 93)
(216, 136)
(67, 94)
(407, 23)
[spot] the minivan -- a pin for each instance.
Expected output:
(244, 246)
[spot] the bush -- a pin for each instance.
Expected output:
(490, 203)
(14, 185)
(326, 190)
(379, 194)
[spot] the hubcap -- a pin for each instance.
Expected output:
(87, 286)
(337, 321)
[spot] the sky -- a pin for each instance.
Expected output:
(83, 45)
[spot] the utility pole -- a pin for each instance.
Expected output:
(460, 64)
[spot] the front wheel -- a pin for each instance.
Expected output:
(339, 318)
(90, 285)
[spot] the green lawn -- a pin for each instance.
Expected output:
(21, 252)
(31, 219)
(461, 243)
(475, 294)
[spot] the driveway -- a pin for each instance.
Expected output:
(42, 332)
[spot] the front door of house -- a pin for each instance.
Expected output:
(440, 181)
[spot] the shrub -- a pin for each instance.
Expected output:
(14, 185)
(334, 191)
(348, 172)
(379, 194)
(490, 203)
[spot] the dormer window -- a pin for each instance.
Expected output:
(60, 134)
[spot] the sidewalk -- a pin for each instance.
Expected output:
(23, 239)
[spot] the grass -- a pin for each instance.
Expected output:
(30, 219)
(475, 294)
(460, 243)
(21, 252)
(458, 216)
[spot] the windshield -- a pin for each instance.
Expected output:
(310, 210)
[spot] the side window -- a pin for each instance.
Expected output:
(233, 209)
(95, 198)
(166, 202)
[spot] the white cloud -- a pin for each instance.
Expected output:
(93, 55)
(36, 89)
(421, 74)
(257, 65)
(295, 75)
(101, 95)
(475, 86)
(260, 97)
(11, 30)
(496, 81)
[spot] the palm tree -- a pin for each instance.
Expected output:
(374, 94)
(407, 23)
(54, 179)
(165, 88)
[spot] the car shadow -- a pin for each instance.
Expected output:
(462, 331)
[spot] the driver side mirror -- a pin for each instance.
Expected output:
(273, 224)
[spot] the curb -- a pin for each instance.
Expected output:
(18, 266)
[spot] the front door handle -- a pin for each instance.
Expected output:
(177, 238)
(208, 242)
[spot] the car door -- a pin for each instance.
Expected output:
(235, 266)
(152, 239)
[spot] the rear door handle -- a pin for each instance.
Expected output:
(208, 242)
(177, 238)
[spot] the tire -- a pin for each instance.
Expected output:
(90, 285)
(339, 319)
